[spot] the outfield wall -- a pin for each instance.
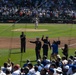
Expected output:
(41, 20)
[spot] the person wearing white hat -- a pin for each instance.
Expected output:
(40, 66)
(65, 69)
(59, 71)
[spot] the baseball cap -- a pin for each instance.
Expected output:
(52, 70)
(66, 67)
(74, 62)
(38, 60)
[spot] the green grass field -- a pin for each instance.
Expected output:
(54, 31)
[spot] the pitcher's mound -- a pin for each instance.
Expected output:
(30, 30)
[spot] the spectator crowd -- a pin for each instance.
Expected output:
(61, 66)
(54, 9)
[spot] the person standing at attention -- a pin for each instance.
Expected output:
(23, 42)
(37, 48)
(46, 45)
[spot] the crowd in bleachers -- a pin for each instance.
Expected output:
(58, 9)
(61, 66)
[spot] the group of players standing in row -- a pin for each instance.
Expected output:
(46, 46)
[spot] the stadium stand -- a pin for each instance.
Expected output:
(61, 66)
(47, 10)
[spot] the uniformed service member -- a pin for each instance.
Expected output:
(37, 48)
(46, 45)
(23, 42)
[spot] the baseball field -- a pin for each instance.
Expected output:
(10, 39)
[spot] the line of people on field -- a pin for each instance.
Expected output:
(45, 44)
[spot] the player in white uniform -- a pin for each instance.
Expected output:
(36, 22)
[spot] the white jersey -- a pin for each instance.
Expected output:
(36, 21)
(17, 72)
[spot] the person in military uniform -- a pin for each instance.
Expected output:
(23, 42)
(37, 48)
(46, 45)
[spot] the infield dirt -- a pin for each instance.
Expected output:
(6, 43)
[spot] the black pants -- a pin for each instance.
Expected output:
(45, 52)
(66, 54)
(38, 56)
(22, 47)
